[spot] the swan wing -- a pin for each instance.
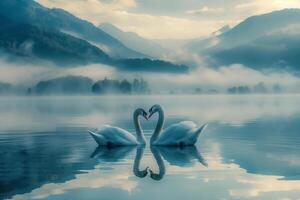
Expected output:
(98, 138)
(194, 134)
(116, 136)
(176, 133)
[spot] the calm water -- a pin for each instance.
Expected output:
(250, 150)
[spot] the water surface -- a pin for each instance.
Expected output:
(250, 150)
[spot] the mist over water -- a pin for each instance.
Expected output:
(27, 75)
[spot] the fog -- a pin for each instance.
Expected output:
(203, 76)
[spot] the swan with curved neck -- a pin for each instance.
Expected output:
(115, 136)
(184, 133)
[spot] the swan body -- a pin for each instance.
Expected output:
(181, 134)
(184, 133)
(115, 136)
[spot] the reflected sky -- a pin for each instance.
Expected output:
(250, 149)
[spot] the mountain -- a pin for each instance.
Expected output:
(148, 65)
(134, 41)
(260, 26)
(28, 41)
(32, 42)
(198, 45)
(31, 12)
(268, 41)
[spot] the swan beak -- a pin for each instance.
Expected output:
(151, 113)
(146, 117)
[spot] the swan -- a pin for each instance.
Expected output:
(184, 133)
(114, 136)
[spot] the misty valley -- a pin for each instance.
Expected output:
(79, 85)
(143, 99)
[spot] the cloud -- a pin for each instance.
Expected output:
(205, 10)
(19, 72)
(94, 179)
(259, 7)
(220, 79)
(83, 6)
(94, 71)
(149, 26)
(157, 20)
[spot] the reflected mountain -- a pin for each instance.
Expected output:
(30, 160)
(265, 146)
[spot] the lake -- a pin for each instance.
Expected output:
(250, 149)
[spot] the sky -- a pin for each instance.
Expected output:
(169, 19)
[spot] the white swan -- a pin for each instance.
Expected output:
(115, 136)
(181, 134)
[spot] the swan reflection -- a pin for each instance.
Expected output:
(176, 156)
(115, 154)
(161, 166)
(136, 165)
(181, 156)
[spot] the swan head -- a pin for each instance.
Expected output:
(155, 176)
(154, 109)
(142, 112)
(142, 173)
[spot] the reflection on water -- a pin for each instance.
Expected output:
(137, 161)
(180, 156)
(249, 151)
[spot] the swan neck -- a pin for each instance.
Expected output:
(159, 126)
(139, 133)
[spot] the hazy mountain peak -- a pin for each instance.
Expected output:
(259, 25)
(261, 42)
(222, 30)
(134, 41)
(31, 12)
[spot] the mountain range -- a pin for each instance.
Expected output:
(30, 31)
(28, 41)
(134, 41)
(31, 12)
(268, 41)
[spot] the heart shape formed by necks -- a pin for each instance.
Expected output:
(143, 173)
